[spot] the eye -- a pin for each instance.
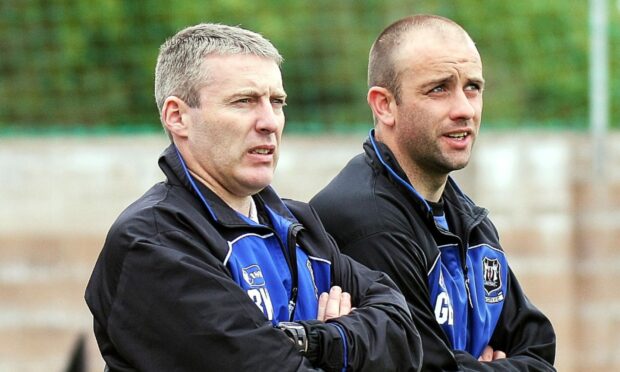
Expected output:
(278, 102)
(473, 87)
(438, 90)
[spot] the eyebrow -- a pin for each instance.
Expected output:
(477, 80)
(450, 78)
(437, 81)
(255, 93)
(279, 94)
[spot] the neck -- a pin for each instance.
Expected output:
(430, 187)
(239, 204)
(426, 182)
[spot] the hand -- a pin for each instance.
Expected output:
(336, 303)
(489, 355)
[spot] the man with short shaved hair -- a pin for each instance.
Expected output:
(395, 207)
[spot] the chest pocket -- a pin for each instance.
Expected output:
(468, 304)
(258, 266)
(314, 279)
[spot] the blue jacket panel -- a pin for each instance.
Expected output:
(258, 265)
(468, 300)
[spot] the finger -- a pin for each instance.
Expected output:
(333, 303)
(322, 305)
(498, 354)
(345, 304)
(487, 354)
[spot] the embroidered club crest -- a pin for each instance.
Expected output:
(253, 276)
(492, 275)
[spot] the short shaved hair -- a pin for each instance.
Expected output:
(382, 70)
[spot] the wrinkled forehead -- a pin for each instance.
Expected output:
(225, 67)
(231, 74)
(430, 47)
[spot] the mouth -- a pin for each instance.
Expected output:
(459, 136)
(262, 150)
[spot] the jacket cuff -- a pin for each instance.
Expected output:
(327, 346)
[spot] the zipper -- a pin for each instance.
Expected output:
(462, 254)
(291, 254)
(465, 270)
(465, 246)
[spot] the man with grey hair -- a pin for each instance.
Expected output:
(396, 209)
(211, 270)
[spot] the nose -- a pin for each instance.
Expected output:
(268, 120)
(462, 107)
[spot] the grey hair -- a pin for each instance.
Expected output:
(179, 69)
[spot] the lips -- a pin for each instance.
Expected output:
(458, 135)
(262, 150)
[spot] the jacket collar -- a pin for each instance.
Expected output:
(177, 174)
(384, 161)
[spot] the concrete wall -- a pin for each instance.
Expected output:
(559, 222)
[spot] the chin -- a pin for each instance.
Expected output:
(259, 183)
(459, 166)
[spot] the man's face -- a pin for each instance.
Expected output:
(236, 131)
(440, 108)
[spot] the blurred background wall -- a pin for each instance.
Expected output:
(79, 138)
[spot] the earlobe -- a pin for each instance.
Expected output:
(174, 116)
(381, 102)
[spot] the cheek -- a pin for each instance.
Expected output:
(478, 119)
(281, 121)
(202, 139)
(416, 119)
(477, 104)
(211, 144)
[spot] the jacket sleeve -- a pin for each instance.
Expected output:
(516, 333)
(379, 333)
(524, 332)
(159, 309)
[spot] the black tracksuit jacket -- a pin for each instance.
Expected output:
(163, 298)
(459, 278)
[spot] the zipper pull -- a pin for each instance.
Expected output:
(292, 304)
(471, 304)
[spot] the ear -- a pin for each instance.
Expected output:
(382, 104)
(175, 116)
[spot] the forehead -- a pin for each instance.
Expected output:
(227, 73)
(428, 53)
